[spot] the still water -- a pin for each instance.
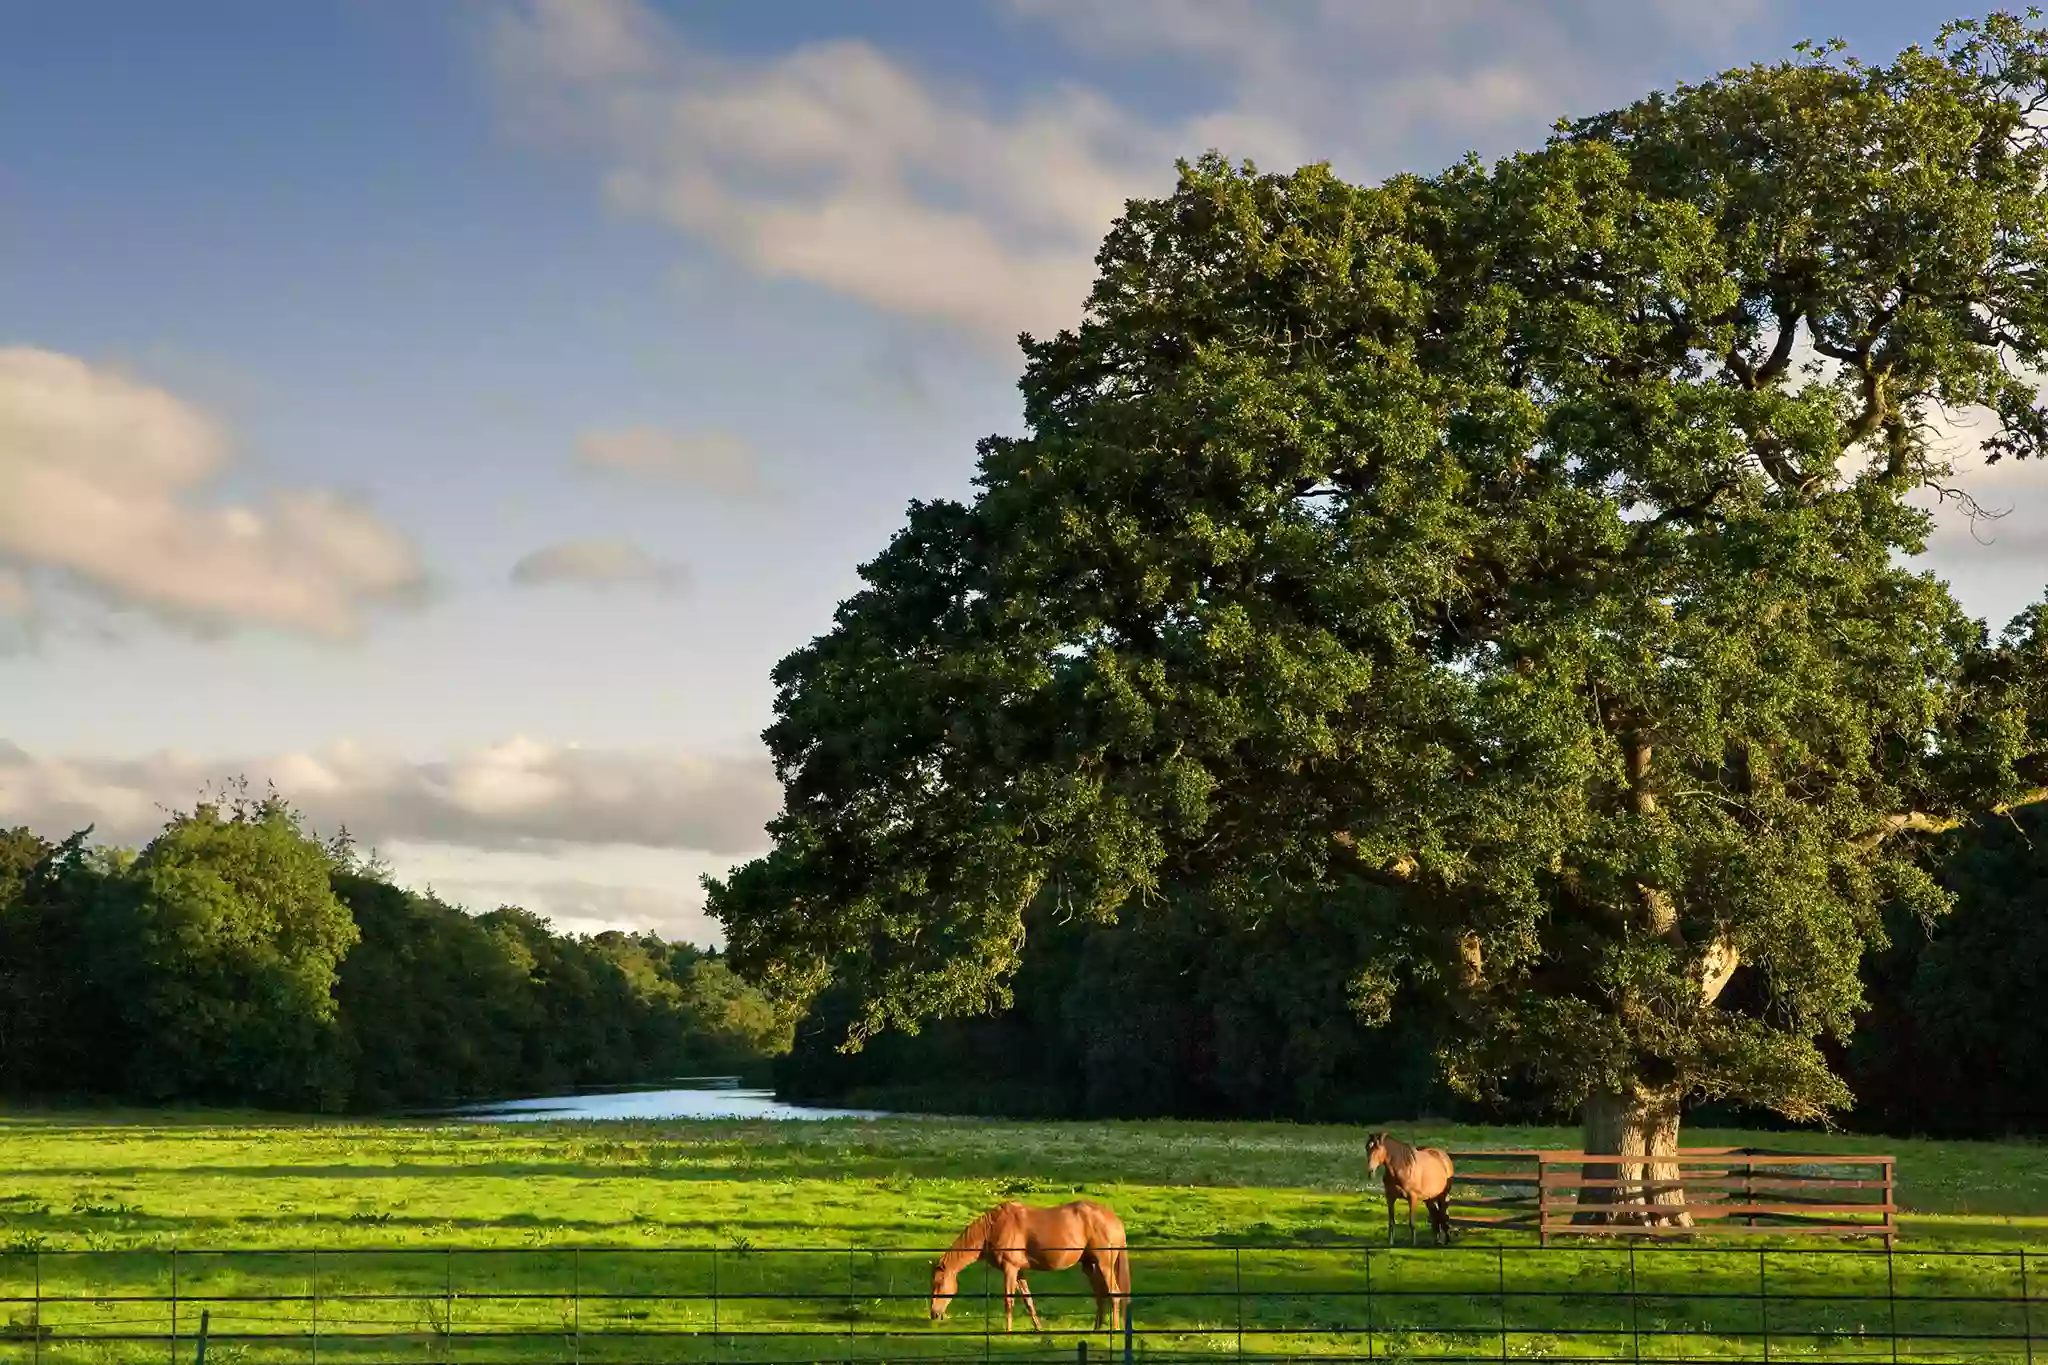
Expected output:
(713, 1101)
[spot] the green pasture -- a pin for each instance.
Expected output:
(441, 1241)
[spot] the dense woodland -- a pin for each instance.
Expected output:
(236, 959)
(1178, 1014)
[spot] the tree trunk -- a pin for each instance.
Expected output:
(1637, 1127)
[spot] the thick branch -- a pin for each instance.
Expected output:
(1642, 800)
(1471, 963)
(1717, 968)
(1780, 358)
(1920, 822)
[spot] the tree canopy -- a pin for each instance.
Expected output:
(1516, 560)
(237, 959)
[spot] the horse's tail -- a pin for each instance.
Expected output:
(1123, 1276)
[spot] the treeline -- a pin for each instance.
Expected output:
(236, 959)
(1179, 1010)
(1178, 1013)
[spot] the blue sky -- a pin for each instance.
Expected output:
(319, 320)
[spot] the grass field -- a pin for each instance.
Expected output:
(818, 1227)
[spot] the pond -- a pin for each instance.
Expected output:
(712, 1098)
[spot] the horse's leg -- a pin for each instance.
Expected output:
(1029, 1306)
(1098, 1281)
(1390, 1215)
(1411, 1218)
(1010, 1278)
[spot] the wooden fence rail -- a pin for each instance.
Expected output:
(1725, 1190)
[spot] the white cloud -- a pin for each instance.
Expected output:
(1371, 86)
(102, 482)
(598, 563)
(580, 892)
(836, 165)
(521, 794)
(712, 460)
(586, 907)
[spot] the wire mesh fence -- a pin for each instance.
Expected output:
(758, 1306)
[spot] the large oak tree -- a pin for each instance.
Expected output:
(1518, 556)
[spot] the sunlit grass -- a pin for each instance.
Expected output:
(839, 1213)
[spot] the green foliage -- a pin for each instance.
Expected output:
(1513, 561)
(1957, 1041)
(238, 960)
(61, 1030)
(235, 936)
(435, 1006)
(1184, 1013)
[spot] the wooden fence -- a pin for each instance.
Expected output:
(1725, 1189)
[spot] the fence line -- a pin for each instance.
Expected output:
(1585, 1194)
(1600, 1302)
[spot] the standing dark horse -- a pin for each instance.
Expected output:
(1015, 1238)
(1412, 1173)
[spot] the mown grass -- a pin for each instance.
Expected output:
(824, 1228)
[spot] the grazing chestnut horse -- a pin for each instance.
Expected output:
(1412, 1173)
(1014, 1238)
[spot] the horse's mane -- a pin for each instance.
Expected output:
(976, 1232)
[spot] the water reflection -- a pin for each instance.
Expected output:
(695, 1102)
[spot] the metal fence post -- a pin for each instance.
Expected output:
(2026, 1306)
(1237, 1255)
(1635, 1325)
(1127, 1332)
(576, 1302)
(204, 1315)
(448, 1305)
(1500, 1280)
(1368, 1306)
(174, 1308)
(316, 1308)
(36, 1310)
(1891, 1295)
(1763, 1302)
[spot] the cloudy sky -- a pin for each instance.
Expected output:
(450, 412)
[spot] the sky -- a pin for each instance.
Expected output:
(448, 413)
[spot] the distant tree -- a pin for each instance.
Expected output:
(1957, 1037)
(65, 922)
(728, 1021)
(231, 961)
(1514, 559)
(434, 1007)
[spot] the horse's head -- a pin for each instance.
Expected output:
(944, 1286)
(1375, 1152)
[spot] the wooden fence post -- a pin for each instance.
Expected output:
(1542, 1201)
